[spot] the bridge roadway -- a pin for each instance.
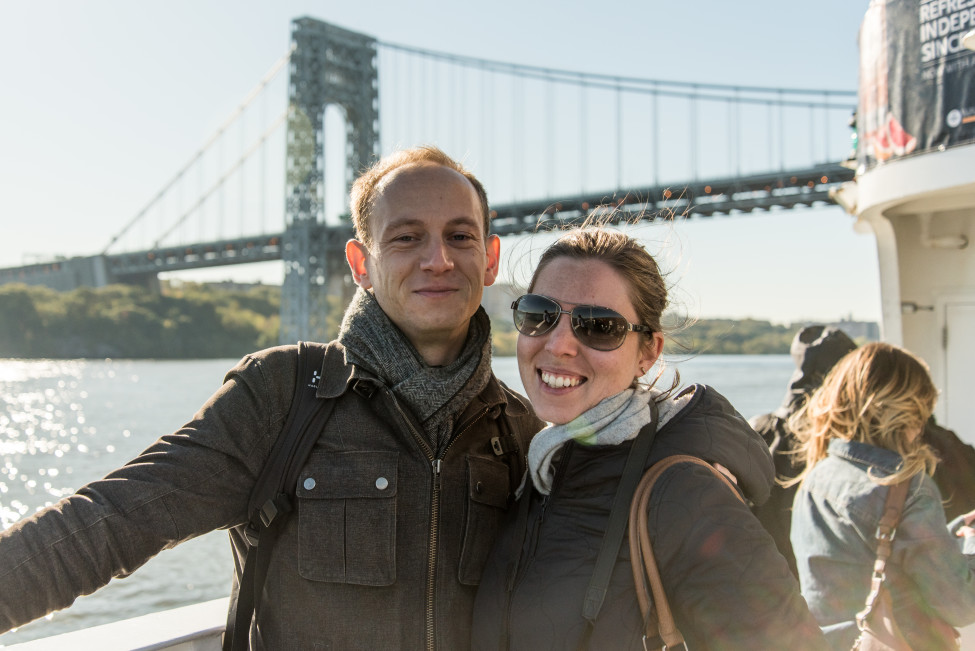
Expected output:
(775, 190)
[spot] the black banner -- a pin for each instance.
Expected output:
(917, 80)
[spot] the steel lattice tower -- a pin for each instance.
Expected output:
(329, 66)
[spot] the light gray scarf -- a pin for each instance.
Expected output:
(614, 420)
(434, 394)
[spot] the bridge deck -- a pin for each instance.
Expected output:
(728, 196)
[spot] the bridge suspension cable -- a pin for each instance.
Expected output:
(610, 81)
(561, 124)
(515, 125)
(248, 100)
(223, 178)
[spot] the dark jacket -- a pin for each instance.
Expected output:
(727, 585)
(386, 546)
(815, 350)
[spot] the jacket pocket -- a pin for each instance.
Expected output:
(488, 494)
(347, 517)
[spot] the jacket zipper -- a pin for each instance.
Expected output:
(534, 527)
(556, 482)
(436, 467)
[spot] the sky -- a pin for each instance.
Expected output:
(104, 100)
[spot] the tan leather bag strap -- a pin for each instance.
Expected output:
(646, 576)
(886, 530)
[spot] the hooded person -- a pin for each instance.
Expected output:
(815, 350)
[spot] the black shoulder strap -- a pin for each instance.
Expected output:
(271, 499)
(275, 488)
(619, 514)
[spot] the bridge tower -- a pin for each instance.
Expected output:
(329, 66)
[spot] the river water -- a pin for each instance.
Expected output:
(65, 423)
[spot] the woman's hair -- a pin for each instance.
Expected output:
(644, 283)
(878, 394)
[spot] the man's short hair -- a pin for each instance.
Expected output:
(363, 195)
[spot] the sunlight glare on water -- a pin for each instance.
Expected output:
(66, 423)
(41, 422)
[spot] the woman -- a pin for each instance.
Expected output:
(580, 365)
(860, 433)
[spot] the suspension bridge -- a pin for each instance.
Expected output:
(552, 147)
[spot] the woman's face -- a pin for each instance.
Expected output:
(562, 376)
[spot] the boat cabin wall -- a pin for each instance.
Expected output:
(922, 211)
(936, 279)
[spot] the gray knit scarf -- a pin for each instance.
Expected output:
(612, 421)
(434, 394)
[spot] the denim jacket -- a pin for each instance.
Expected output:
(931, 571)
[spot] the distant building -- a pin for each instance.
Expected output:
(860, 331)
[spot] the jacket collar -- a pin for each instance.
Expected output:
(865, 454)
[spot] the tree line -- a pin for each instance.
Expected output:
(194, 321)
(121, 321)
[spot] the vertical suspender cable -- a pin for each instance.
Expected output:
(655, 143)
(693, 125)
(825, 158)
(583, 134)
(410, 100)
(201, 219)
(731, 135)
(738, 144)
(549, 154)
(220, 199)
(275, 69)
(262, 196)
(812, 132)
(221, 181)
(781, 133)
(518, 136)
(437, 129)
(458, 96)
(619, 137)
(424, 111)
(482, 153)
(493, 99)
(240, 180)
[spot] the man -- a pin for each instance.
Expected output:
(815, 350)
(399, 500)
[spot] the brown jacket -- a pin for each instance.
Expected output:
(384, 551)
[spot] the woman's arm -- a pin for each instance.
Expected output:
(726, 581)
(939, 562)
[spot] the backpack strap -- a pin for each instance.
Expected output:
(272, 498)
(636, 461)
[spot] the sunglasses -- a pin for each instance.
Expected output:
(599, 328)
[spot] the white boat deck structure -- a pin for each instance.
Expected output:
(190, 628)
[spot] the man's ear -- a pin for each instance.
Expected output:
(493, 246)
(357, 254)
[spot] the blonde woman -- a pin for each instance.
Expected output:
(860, 433)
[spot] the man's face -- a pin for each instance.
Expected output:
(430, 259)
